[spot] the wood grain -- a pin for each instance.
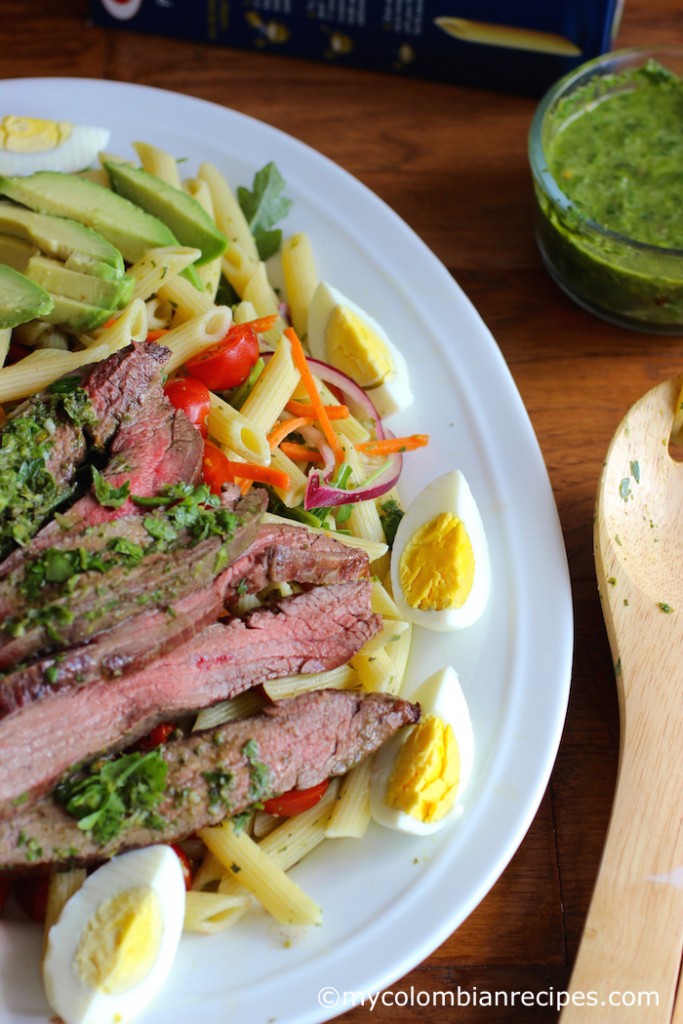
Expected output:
(452, 162)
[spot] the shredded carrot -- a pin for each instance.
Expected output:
(262, 324)
(110, 322)
(263, 474)
(299, 358)
(155, 335)
(393, 444)
(300, 453)
(281, 430)
(334, 412)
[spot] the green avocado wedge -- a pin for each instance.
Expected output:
(186, 218)
(20, 299)
(63, 238)
(123, 224)
(58, 279)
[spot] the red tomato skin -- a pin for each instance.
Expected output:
(296, 800)
(216, 468)
(192, 396)
(31, 896)
(229, 363)
(184, 864)
(159, 735)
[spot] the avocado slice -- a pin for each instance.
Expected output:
(79, 316)
(20, 299)
(186, 218)
(63, 238)
(131, 230)
(58, 279)
(15, 253)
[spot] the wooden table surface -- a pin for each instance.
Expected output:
(452, 162)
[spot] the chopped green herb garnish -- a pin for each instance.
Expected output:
(390, 515)
(259, 773)
(108, 495)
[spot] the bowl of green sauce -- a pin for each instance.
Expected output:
(606, 154)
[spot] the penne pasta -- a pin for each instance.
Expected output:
(342, 678)
(374, 549)
(351, 813)
(399, 653)
(61, 887)
(300, 278)
(158, 162)
(228, 212)
(375, 671)
(388, 634)
(237, 432)
(187, 301)
(382, 602)
(211, 912)
(238, 267)
(271, 886)
(241, 706)
(273, 389)
(130, 325)
(5, 338)
(159, 266)
(192, 337)
(260, 293)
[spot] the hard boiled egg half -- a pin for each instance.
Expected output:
(440, 564)
(345, 336)
(419, 776)
(115, 941)
(29, 144)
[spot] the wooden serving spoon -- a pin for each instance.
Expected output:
(633, 937)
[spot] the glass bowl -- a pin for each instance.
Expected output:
(616, 269)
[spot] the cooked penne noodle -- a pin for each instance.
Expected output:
(238, 267)
(382, 602)
(399, 652)
(293, 840)
(159, 266)
(192, 337)
(159, 314)
(243, 312)
(130, 325)
(211, 912)
(98, 175)
(209, 873)
(273, 389)
(351, 813)
(233, 430)
(259, 291)
(209, 273)
(228, 212)
(375, 671)
(274, 889)
(158, 162)
(342, 678)
(293, 494)
(300, 277)
(186, 300)
(43, 366)
(388, 634)
(241, 706)
(61, 887)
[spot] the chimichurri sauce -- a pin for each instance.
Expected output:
(619, 155)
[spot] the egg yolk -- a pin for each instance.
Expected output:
(120, 942)
(32, 134)
(426, 773)
(356, 349)
(436, 569)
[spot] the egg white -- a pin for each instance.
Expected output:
(76, 153)
(441, 695)
(78, 1003)
(447, 493)
(394, 393)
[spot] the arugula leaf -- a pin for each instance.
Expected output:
(263, 207)
(390, 515)
(106, 493)
(115, 793)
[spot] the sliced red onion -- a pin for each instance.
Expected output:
(316, 439)
(320, 494)
(349, 387)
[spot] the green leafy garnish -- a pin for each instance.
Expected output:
(115, 793)
(263, 207)
(108, 495)
(390, 515)
(259, 773)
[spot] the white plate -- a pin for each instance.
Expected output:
(389, 900)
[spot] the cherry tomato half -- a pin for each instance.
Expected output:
(216, 468)
(192, 396)
(184, 863)
(227, 364)
(31, 896)
(159, 734)
(296, 800)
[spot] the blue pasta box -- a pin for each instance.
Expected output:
(521, 46)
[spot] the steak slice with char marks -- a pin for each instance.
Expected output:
(310, 632)
(297, 743)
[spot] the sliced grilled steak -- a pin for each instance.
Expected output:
(48, 438)
(281, 552)
(293, 744)
(85, 604)
(310, 632)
